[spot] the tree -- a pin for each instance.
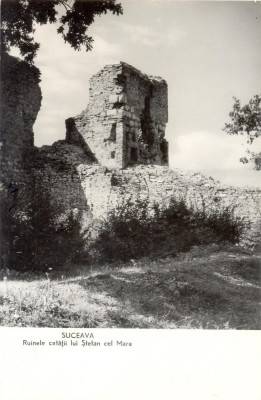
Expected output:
(19, 18)
(246, 120)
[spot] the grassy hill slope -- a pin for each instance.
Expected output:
(206, 288)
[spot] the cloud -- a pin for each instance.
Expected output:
(53, 49)
(65, 75)
(214, 154)
(148, 36)
(206, 149)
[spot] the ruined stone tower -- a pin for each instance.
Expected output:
(124, 123)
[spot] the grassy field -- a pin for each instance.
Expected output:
(209, 288)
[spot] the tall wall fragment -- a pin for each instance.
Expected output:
(124, 123)
(20, 102)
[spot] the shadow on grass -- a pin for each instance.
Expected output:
(189, 292)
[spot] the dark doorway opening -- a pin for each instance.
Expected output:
(165, 151)
(146, 123)
(133, 154)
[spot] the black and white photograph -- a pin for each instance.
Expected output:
(130, 204)
(130, 164)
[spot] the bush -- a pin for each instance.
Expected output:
(36, 239)
(125, 233)
(133, 230)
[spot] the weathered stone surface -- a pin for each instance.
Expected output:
(105, 189)
(84, 171)
(20, 104)
(122, 97)
(55, 173)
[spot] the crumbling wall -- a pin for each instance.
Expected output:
(20, 101)
(145, 124)
(20, 104)
(105, 189)
(55, 175)
(124, 123)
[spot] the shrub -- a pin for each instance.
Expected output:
(134, 229)
(36, 239)
(125, 232)
(225, 224)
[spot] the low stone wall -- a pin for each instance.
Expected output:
(74, 183)
(67, 172)
(55, 175)
(104, 189)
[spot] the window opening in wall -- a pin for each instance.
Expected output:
(145, 123)
(113, 132)
(121, 80)
(113, 154)
(134, 154)
(112, 136)
(164, 151)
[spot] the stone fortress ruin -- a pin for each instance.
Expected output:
(113, 149)
(124, 123)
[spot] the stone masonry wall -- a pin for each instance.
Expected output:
(105, 189)
(55, 175)
(20, 101)
(124, 123)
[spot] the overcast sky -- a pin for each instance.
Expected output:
(208, 52)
